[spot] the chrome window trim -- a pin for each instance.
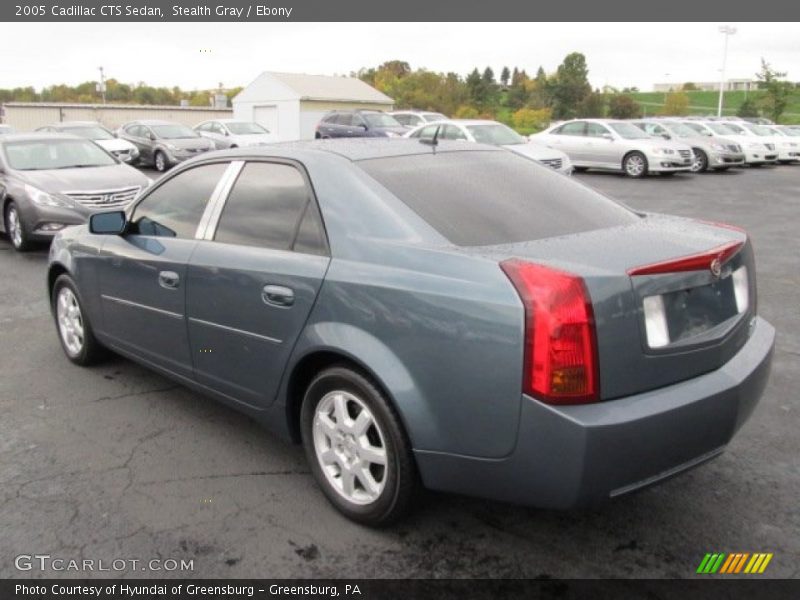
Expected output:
(220, 191)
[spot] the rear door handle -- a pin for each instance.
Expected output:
(277, 295)
(169, 279)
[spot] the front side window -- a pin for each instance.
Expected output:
(628, 132)
(378, 119)
(495, 134)
(575, 128)
(596, 130)
(453, 132)
(265, 208)
(173, 132)
(174, 209)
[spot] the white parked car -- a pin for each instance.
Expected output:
(92, 130)
(787, 144)
(494, 134)
(616, 146)
(756, 152)
(414, 118)
(234, 133)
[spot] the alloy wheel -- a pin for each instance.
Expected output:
(14, 227)
(634, 165)
(161, 164)
(70, 321)
(350, 447)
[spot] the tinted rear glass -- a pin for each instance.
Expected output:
(486, 198)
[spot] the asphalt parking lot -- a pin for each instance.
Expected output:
(117, 462)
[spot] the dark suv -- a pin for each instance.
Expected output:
(359, 123)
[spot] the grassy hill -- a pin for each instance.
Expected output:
(705, 103)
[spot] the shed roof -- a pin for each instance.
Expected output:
(300, 86)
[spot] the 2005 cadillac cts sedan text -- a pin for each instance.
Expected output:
(453, 316)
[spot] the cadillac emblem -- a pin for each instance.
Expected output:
(716, 268)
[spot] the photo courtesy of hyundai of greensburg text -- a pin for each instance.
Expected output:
(416, 300)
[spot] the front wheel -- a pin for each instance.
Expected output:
(356, 447)
(160, 161)
(15, 228)
(635, 165)
(700, 162)
(74, 329)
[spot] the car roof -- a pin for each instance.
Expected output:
(359, 148)
(38, 135)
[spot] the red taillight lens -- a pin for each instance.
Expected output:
(560, 341)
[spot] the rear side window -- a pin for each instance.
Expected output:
(174, 209)
(265, 209)
(485, 198)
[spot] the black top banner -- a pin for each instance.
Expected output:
(405, 11)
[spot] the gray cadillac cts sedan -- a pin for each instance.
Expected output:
(452, 316)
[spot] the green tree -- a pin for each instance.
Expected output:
(776, 92)
(570, 86)
(622, 106)
(593, 105)
(676, 104)
(505, 76)
(689, 87)
(748, 108)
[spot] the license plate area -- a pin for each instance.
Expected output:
(693, 311)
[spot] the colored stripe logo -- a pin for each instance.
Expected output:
(736, 562)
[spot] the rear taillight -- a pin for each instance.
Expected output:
(560, 362)
(710, 259)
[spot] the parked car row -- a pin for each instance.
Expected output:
(669, 145)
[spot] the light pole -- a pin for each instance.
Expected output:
(727, 31)
(101, 87)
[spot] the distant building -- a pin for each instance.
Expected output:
(290, 105)
(731, 85)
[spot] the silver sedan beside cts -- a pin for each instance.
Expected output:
(616, 146)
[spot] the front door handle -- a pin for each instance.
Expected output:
(169, 279)
(277, 295)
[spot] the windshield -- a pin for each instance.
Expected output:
(380, 120)
(680, 129)
(721, 129)
(173, 132)
(430, 117)
(39, 155)
(245, 128)
(487, 197)
(760, 130)
(629, 131)
(90, 132)
(790, 131)
(496, 134)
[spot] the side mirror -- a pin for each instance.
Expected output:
(152, 137)
(666, 136)
(607, 136)
(108, 223)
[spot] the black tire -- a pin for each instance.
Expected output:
(580, 169)
(635, 165)
(160, 162)
(91, 350)
(668, 174)
(399, 476)
(721, 169)
(16, 229)
(700, 165)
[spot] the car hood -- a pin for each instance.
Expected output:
(199, 143)
(114, 145)
(253, 139)
(536, 151)
(58, 181)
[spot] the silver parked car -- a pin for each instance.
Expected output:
(495, 134)
(234, 133)
(714, 154)
(55, 180)
(756, 152)
(163, 144)
(92, 130)
(616, 146)
(415, 118)
(414, 314)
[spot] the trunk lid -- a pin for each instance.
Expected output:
(659, 325)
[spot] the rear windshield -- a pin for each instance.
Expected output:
(486, 198)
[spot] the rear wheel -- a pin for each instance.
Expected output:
(356, 447)
(74, 329)
(700, 162)
(635, 165)
(15, 228)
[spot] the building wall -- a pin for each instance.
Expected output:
(25, 116)
(287, 116)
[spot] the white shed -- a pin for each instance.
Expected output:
(290, 105)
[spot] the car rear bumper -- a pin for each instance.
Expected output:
(571, 456)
